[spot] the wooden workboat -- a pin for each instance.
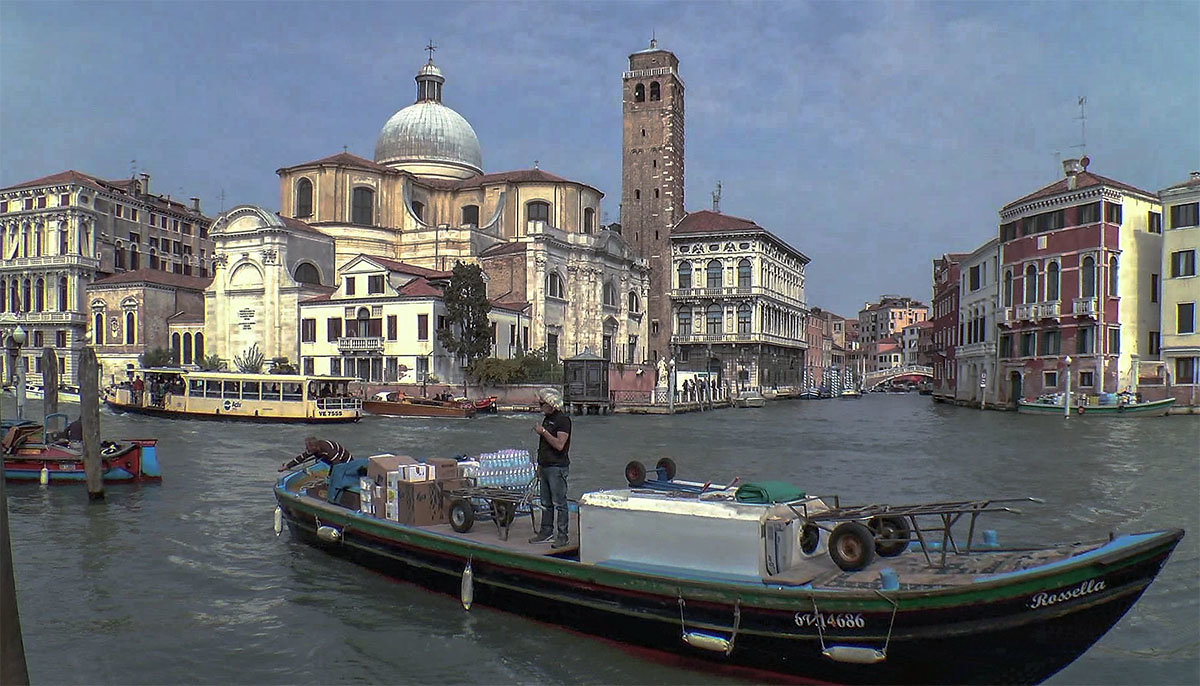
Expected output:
(180, 393)
(396, 404)
(805, 588)
(1130, 408)
(30, 456)
(749, 399)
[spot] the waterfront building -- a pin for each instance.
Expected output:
(819, 352)
(264, 265)
(1180, 284)
(136, 308)
(1077, 259)
(425, 201)
(652, 169)
(58, 233)
(975, 355)
(885, 353)
(738, 298)
(910, 340)
(832, 351)
(888, 317)
(381, 325)
(945, 331)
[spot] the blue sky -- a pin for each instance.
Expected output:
(871, 136)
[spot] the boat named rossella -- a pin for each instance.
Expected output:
(170, 392)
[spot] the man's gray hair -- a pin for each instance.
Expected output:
(551, 397)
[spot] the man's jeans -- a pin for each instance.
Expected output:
(554, 499)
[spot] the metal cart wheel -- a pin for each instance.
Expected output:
(635, 473)
(462, 515)
(852, 546)
(666, 468)
(892, 535)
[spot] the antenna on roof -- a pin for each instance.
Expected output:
(716, 196)
(653, 39)
(1082, 126)
(222, 199)
(535, 164)
(132, 168)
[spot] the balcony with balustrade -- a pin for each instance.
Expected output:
(1049, 310)
(44, 261)
(1085, 307)
(360, 344)
(727, 293)
(710, 338)
(1027, 312)
(1007, 316)
(72, 318)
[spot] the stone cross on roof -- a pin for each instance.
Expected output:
(431, 48)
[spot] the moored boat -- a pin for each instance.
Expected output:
(188, 394)
(1122, 407)
(31, 452)
(397, 404)
(749, 399)
(804, 587)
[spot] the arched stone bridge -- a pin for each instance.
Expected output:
(873, 379)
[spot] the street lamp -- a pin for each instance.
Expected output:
(19, 339)
(1067, 394)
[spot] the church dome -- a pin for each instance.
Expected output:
(428, 138)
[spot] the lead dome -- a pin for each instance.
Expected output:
(427, 138)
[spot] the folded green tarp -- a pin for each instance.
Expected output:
(764, 492)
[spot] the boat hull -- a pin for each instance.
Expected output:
(984, 633)
(1156, 408)
(134, 461)
(338, 417)
(418, 409)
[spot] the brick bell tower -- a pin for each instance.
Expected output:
(652, 176)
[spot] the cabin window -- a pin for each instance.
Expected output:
(212, 389)
(270, 391)
(195, 388)
(232, 389)
(250, 390)
(293, 391)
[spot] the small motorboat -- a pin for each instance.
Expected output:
(46, 453)
(397, 404)
(749, 399)
(1106, 404)
(486, 405)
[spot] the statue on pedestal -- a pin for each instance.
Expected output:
(662, 374)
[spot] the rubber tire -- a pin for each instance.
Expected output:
(462, 515)
(810, 539)
(890, 527)
(852, 546)
(504, 512)
(666, 468)
(635, 473)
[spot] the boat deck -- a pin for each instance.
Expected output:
(519, 533)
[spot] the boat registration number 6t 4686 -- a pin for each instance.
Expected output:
(834, 621)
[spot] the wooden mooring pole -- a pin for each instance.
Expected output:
(49, 382)
(89, 415)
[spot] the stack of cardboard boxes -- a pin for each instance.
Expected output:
(399, 488)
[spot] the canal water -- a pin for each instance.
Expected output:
(186, 582)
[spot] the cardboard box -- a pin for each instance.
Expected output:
(417, 472)
(424, 503)
(447, 467)
(367, 490)
(379, 465)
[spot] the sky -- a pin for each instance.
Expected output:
(872, 137)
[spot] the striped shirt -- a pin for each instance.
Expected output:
(329, 452)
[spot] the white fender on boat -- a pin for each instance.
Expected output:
(44, 476)
(703, 641)
(329, 534)
(278, 520)
(467, 591)
(857, 655)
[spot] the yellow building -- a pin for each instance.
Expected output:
(1180, 335)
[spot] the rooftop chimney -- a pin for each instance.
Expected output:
(196, 205)
(1071, 168)
(145, 185)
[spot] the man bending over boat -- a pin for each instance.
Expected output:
(555, 433)
(329, 452)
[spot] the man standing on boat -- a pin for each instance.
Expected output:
(553, 460)
(329, 452)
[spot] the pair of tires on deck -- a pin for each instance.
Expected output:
(462, 513)
(854, 545)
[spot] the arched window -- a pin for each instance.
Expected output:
(1112, 275)
(362, 210)
(14, 296)
(153, 258)
(1031, 284)
(62, 295)
(1087, 277)
(589, 220)
(130, 328)
(713, 319)
(98, 327)
(307, 273)
(743, 315)
(683, 326)
(744, 271)
(714, 274)
(554, 285)
(176, 347)
(1008, 288)
(304, 198)
(418, 209)
(610, 295)
(3, 295)
(187, 348)
(133, 257)
(537, 211)
(639, 93)
(39, 295)
(1052, 282)
(655, 91)
(635, 303)
(199, 346)
(470, 215)
(685, 275)
(27, 295)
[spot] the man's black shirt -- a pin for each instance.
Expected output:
(555, 423)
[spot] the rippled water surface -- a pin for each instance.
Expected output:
(185, 582)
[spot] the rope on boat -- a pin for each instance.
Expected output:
(707, 641)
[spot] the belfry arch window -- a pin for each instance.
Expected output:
(685, 275)
(1031, 284)
(362, 209)
(639, 93)
(655, 91)
(306, 273)
(304, 193)
(589, 220)
(554, 285)
(537, 211)
(714, 274)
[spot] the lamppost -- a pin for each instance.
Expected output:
(19, 338)
(1067, 395)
